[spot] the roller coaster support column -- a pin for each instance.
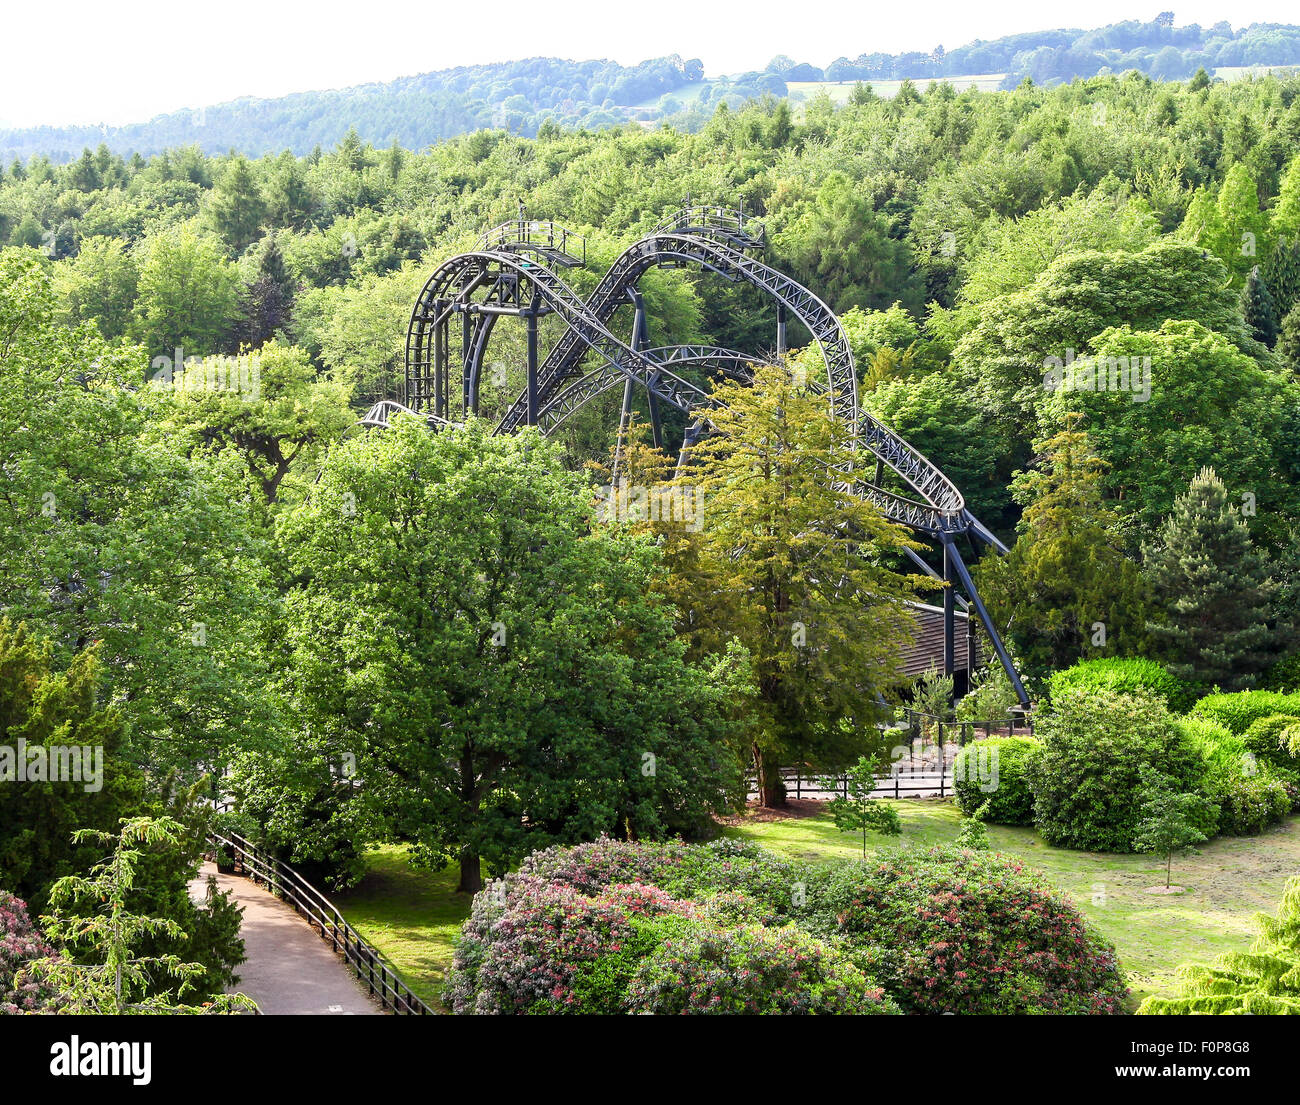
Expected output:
(531, 315)
(970, 651)
(466, 360)
(952, 558)
(641, 341)
(439, 396)
(949, 614)
(780, 330)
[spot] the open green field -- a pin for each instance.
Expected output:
(412, 916)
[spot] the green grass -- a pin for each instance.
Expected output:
(1231, 880)
(413, 915)
(410, 915)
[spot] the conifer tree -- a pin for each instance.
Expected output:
(797, 570)
(1212, 589)
(1067, 589)
(1258, 309)
(1288, 341)
(1282, 275)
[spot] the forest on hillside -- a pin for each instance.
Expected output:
(523, 96)
(956, 232)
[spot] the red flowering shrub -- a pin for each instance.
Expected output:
(950, 931)
(752, 969)
(20, 943)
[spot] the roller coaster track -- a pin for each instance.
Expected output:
(512, 272)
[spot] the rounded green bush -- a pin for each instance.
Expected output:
(956, 931)
(1124, 675)
(1088, 777)
(1264, 738)
(997, 771)
(1239, 710)
(1249, 804)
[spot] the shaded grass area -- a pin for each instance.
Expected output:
(1231, 880)
(410, 915)
(413, 915)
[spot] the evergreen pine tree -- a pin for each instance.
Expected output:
(1258, 309)
(1212, 589)
(1282, 275)
(1288, 342)
(1069, 569)
(266, 300)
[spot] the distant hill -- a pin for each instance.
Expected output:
(522, 96)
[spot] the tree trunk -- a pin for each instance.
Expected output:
(471, 876)
(771, 788)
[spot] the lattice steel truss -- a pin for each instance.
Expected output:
(512, 272)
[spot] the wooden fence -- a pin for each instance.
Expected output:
(931, 742)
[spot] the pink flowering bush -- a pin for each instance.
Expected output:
(20, 943)
(533, 946)
(950, 931)
(561, 936)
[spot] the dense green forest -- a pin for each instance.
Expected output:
(940, 223)
(523, 96)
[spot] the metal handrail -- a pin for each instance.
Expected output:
(542, 236)
(370, 965)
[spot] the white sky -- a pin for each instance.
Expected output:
(126, 61)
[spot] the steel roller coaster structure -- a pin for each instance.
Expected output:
(514, 271)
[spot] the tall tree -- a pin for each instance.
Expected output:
(794, 568)
(1068, 589)
(236, 209)
(1212, 590)
(505, 677)
(1259, 309)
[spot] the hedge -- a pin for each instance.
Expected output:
(1124, 675)
(1240, 709)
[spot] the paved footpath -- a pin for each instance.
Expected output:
(289, 969)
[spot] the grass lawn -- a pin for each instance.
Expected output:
(412, 916)
(1231, 880)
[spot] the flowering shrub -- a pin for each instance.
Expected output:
(946, 931)
(686, 871)
(20, 944)
(1126, 675)
(603, 862)
(548, 948)
(564, 935)
(752, 969)
(1238, 711)
(949, 931)
(997, 771)
(1249, 804)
